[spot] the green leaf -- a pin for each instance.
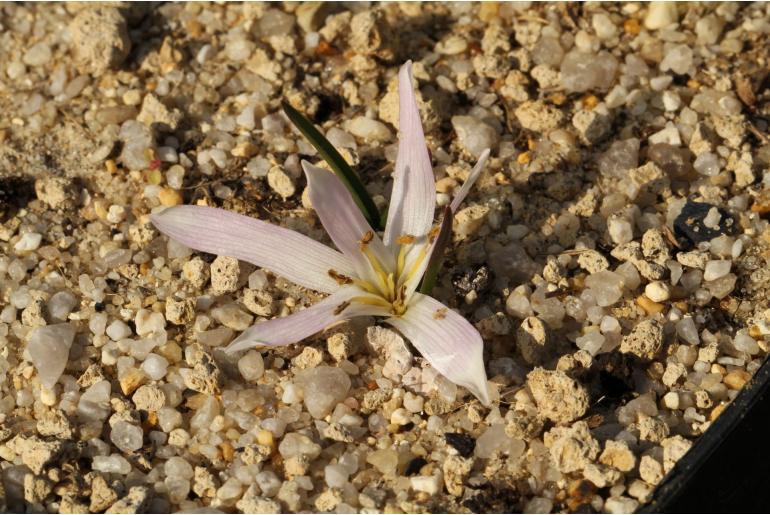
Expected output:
(337, 163)
(437, 257)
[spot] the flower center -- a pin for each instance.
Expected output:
(391, 286)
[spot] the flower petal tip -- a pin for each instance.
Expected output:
(447, 341)
(157, 216)
(161, 219)
(413, 198)
(306, 166)
(481, 391)
(239, 344)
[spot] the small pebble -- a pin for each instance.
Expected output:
(658, 291)
(126, 437)
(736, 379)
(428, 484)
(170, 197)
(671, 400)
(28, 242)
(117, 330)
(251, 366)
(323, 387)
(716, 269)
(474, 135)
(114, 464)
(280, 182)
(155, 366)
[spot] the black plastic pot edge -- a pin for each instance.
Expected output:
(727, 470)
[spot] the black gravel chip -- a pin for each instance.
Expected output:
(472, 279)
(415, 465)
(462, 443)
(690, 227)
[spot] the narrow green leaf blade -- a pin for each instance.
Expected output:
(437, 257)
(337, 163)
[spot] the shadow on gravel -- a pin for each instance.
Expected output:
(15, 193)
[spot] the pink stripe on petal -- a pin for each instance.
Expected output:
(298, 326)
(468, 184)
(448, 341)
(342, 219)
(414, 187)
(282, 251)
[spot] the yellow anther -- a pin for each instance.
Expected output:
(342, 307)
(365, 239)
(440, 314)
(341, 279)
(405, 239)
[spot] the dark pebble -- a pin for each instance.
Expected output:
(494, 500)
(473, 279)
(615, 374)
(462, 443)
(406, 427)
(415, 465)
(690, 230)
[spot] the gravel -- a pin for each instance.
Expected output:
(48, 349)
(613, 253)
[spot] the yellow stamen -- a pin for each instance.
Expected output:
(399, 306)
(372, 301)
(388, 287)
(380, 273)
(401, 260)
(417, 262)
(366, 286)
(391, 285)
(440, 314)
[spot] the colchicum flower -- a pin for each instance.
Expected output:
(369, 275)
